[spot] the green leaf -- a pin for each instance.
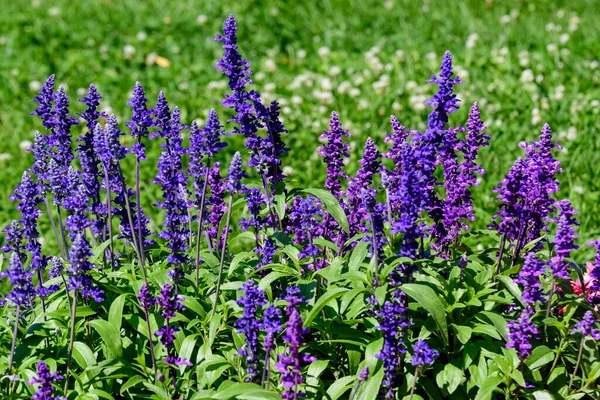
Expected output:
(512, 287)
(110, 336)
(358, 255)
(449, 378)
(463, 333)
(339, 387)
(542, 395)
(369, 389)
(540, 356)
(83, 355)
(328, 296)
(331, 205)
(131, 382)
(487, 389)
(427, 298)
(115, 314)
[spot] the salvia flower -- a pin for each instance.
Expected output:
(170, 303)
(374, 213)
(56, 267)
(334, 151)
(271, 325)
(45, 380)
(236, 174)
(41, 158)
(216, 203)
(370, 165)
(61, 133)
(444, 102)
(145, 297)
(45, 99)
(22, 291)
(249, 324)
(529, 278)
(364, 374)
(564, 241)
(141, 120)
(521, 332)
(79, 270)
(290, 364)
(587, 326)
(14, 239)
(396, 140)
(595, 274)
(423, 354)
(255, 201)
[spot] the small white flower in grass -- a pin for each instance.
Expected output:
(25, 145)
(498, 123)
(335, 70)
(326, 84)
(151, 58)
(15, 71)
(301, 54)
(54, 11)
(270, 65)
(399, 55)
(344, 87)
(539, 78)
(594, 64)
(536, 116)
(5, 157)
(354, 92)
(287, 170)
(514, 13)
(201, 19)
(270, 87)
(564, 38)
(527, 76)
(297, 100)
(286, 110)
(358, 80)
(35, 3)
(259, 76)
(578, 189)
(141, 36)
(128, 51)
(551, 47)
(411, 85)
(107, 109)
(324, 52)
(184, 85)
(560, 14)
(544, 104)
(103, 49)
(505, 19)
(274, 11)
(82, 91)
(431, 57)
(362, 104)
(35, 86)
(396, 106)
(472, 40)
(595, 103)
(574, 23)
(388, 4)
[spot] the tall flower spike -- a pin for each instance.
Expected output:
(14, 240)
(395, 139)
(170, 303)
(334, 151)
(521, 332)
(564, 241)
(45, 379)
(529, 278)
(369, 166)
(141, 120)
(249, 324)
(41, 157)
(61, 134)
(216, 203)
(587, 326)
(236, 174)
(595, 274)
(45, 98)
(22, 291)
(271, 325)
(423, 354)
(374, 213)
(444, 102)
(80, 268)
(510, 192)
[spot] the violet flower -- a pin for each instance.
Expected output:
(249, 324)
(41, 158)
(521, 332)
(595, 274)
(79, 270)
(423, 354)
(587, 326)
(529, 278)
(61, 131)
(235, 175)
(271, 325)
(334, 151)
(141, 120)
(170, 303)
(45, 98)
(564, 241)
(45, 380)
(374, 213)
(216, 203)
(22, 291)
(396, 140)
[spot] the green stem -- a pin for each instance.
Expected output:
(414, 383)
(223, 251)
(71, 340)
(578, 361)
(200, 223)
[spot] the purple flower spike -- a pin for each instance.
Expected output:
(587, 326)
(169, 301)
(236, 174)
(444, 101)
(61, 133)
(80, 268)
(521, 332)
(45, 379)
(423, 354)
(216, 203)
(22, 291)
(271, 325)
(334, 151)
(396, 139)
(145, 297)
(364, 374)
(595, 274)
(14, 240)
(141, 120)
(41, 158)
(564, 241)
(249, 325)
(45, 98)
(529, 278)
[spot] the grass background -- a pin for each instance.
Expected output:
(113, 43)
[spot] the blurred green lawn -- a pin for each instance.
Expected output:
(525, 62)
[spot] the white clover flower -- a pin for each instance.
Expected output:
(560, 14)
(301, 54)
(220, 84)
(574, 23)
(417, 102)
(363, 104)
(54, 11)
(354, 92)
(551, 47)
(358, 79)
(103, 49)
(141, 36)
(388, 4)
(270, 65)
(82, 91)
(5, 157)
(297, 100)
(324, 52)
(151, 58)
(287, 170)
(15, 72)
(578, 189)
(595, 103)
(472, 40)
(286, 110)
(335, 70)
(380, 86)
(514, 13)
(550, 27)
(260, 76)
(593, 64)
(270, 87)
(344, 87)
(571, 133)
(323, 96)
(25, 145)
(396, 106)
(536, 116)
(399, 55)
(527, 76)
(505, 19)
(411, 86)
(564, 38)
(431, 57)
(539, 78)
(35, 86)
(201, 19)
(274, 11)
